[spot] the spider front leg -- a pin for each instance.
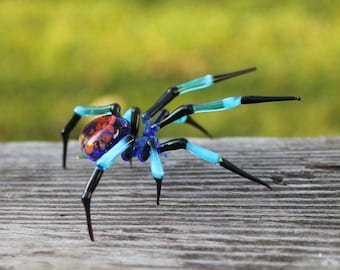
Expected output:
(156, 166)
(103, 163)
(87, 194)
(80, 111)
(208, 155)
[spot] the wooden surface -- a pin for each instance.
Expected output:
(208, 217)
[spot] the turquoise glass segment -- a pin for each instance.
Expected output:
(195, 84)
(219, 105)
(203, 153)
(181, 120)
(92, 110)
(127, 115)
(106, 160)
(156, 165)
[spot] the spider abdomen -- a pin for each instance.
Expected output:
(101, 134)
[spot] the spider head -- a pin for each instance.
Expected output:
(101, 134)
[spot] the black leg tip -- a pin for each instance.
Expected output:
(86, 202)
(221, 77)
(268, 186)
(159, 187)
(233, 168)
(92, 238)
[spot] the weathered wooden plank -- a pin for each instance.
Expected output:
(208, 218)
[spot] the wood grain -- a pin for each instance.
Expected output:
(209, 218)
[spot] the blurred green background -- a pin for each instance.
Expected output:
(55, 55)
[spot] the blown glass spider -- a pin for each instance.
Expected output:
(112, 135)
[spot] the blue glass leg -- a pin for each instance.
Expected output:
(181, 112)
(102, 164)
(156, 167)
(189, 86)
(127, 114)
(98, 110)
(209, 80)
(223, 104)
(106, 160)
(208, 155)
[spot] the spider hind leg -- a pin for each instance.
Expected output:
(65, 133)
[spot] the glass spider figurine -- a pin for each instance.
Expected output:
(111, 135)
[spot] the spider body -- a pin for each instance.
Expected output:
(101, 134)
(113, 135)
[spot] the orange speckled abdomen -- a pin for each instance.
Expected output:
(101, 134)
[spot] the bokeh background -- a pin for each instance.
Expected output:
(55, 55)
